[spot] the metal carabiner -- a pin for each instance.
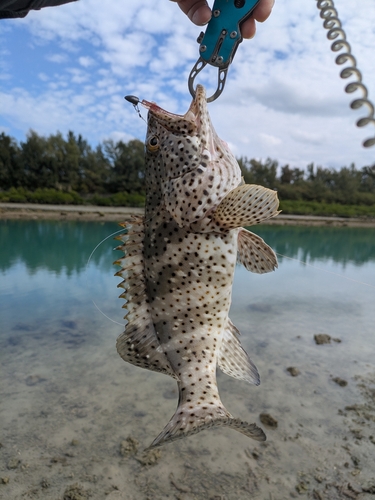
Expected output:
(218, 45)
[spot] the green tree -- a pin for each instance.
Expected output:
(33, 155)
(67, 155)
(286, 175)
(257, 172)
(368, 179)
(264, 173)
(128, 165)
(69, 164)
(11, 171)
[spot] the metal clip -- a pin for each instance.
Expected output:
(219, 43)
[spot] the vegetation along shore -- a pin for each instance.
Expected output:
(69, 172)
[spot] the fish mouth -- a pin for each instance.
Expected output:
(196, 117)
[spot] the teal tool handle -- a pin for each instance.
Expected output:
(223, 33)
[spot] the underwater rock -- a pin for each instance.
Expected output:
(34, 379)
(75, 492)
(128, 447)
(59, 460)
(322, 338)
(44, 483)
(268, 420)
(293, 371)
(150, 457)
(302, 487)
(340, 381)
(72, 325)
(262, 308)
(369, 488)
(13, 463)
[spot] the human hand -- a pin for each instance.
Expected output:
(200, 13)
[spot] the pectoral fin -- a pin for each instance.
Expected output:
(233, 359)
(246, 205)
(255, 254)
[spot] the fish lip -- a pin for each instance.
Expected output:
(157, 110)
(193, 114)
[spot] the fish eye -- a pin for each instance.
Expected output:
(153, 144)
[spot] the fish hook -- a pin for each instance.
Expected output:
(135, 101)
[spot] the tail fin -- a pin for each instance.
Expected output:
(187, 421)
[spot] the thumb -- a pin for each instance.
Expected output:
(197, 11)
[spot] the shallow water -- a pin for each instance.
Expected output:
(68, 401)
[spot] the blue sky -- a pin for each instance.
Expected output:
(69, 67)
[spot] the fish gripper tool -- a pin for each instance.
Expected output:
(218, 45)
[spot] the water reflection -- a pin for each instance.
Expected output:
(342, 245)
(58, 246)
(64, 247)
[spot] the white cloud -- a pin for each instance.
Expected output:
(78, 75)
(119, 135)
(43, 77)
(283, 99)
(57, 58)
(270, 140)
(306, 137)
(125, 53)
(86, 61)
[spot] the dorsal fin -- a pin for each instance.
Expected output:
(138, 344)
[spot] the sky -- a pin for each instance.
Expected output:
(69, 68)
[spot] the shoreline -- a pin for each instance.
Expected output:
(34, 211)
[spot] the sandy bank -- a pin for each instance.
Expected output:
(65, 212)
(91, 213)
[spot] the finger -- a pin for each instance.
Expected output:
(261, 12)
(248, 28)
(197, 11)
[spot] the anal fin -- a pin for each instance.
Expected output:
(255, 254)
(233, 359)
(138, 344)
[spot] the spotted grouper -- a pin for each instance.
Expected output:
(179, 265)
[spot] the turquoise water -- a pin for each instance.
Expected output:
(61, 378)
(325, 283)
(46, 274)
(47, 270)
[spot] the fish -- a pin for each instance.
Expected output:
(178, 266)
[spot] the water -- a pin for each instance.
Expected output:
(68, 401)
